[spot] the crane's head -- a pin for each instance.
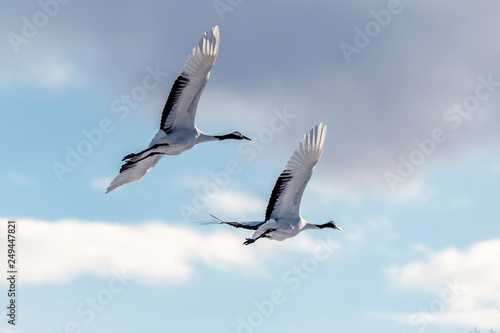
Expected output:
(238, 136)
(235, 136)
(330, 224)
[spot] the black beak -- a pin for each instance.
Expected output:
(244, 137)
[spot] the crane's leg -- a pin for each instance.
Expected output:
(129, 156)
(130, 163)
(148, 155)
(248, 241)
(252, 240)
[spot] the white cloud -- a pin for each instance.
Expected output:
(377, 234)
(346, 187)
(476, 269)
(47, 71)
(238, 203)
(56, 252)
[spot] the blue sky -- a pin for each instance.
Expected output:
(409, 91)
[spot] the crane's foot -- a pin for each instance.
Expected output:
(248, 241)
(129, 156)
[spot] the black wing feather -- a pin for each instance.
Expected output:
(180, 83)
(244, 226)
(280, 185)
(218, 220)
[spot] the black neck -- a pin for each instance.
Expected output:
(225, 137)
(326, 225)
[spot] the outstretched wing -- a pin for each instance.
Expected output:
(287, 193)
(252, 225)
(180, 110)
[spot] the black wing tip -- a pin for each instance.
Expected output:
(280, 185)
(180, 83)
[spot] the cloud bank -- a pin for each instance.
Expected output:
(465, 285)
(152, 252)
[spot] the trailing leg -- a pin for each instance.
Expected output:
(132, 155)
(252, 240)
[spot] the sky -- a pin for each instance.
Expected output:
(409, 90)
